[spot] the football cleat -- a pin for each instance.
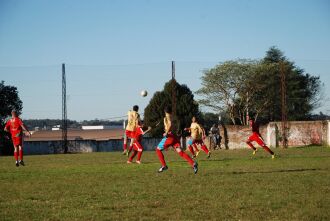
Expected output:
(124, 152)
(129, 162)
(22, 163)
(17, 163)
(273, 156)
(209, 155)
(195, 167)
(138, 162)
(255, 151)
(162, 169)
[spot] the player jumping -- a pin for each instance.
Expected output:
(15, 126)
(197, 135)
(256, 136)
(132, 124)
(170, 139)
(137, 147)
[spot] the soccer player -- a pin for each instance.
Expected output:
(15, 126)
(170, 139)
(132, 124)
(197, 135)
(137, 147)
(256, 136)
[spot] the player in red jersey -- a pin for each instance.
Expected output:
(137, 147)
(256, 136)
(15, 126)
(170, 139)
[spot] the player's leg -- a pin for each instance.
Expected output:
(261, 142)
(160, 155)
(204, 148)
(195, 146)
(190, 148)
(131, 145)
(138, 147)
(249, 142)
(20, 151)
(130, 159)
(16, 155)
(125, 143)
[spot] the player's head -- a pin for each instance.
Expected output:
(14, 113)
(251, 121)
(136, 108)
(168, 109)
(194, 119)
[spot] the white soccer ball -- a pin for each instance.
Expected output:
(144, 93)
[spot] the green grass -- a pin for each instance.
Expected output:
(230, 186)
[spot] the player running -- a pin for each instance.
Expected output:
(170, 139)
(15, 126)
(132, 124)
(256, 136)
(197, 135)
(137, 147)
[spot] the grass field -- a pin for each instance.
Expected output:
(230, 186)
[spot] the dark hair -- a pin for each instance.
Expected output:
(135, 108)
(168, 109)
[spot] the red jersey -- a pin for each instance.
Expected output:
(138, 132)
(14, 125)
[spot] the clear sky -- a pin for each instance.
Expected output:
(114, 49)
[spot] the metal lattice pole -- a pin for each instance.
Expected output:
(64, 113)
(284, 122)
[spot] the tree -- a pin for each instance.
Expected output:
(224, 87)
(9, 100)
(249, 86)
(186, 108)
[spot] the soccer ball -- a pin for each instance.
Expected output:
(144, 93)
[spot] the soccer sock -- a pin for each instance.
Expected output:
(195, 147)
(139, 156)
(204, 148)
(268, 150)
(21, 154)
(133, 155)
(16, 155)
(251, 145)
(191, 150)
(130, 148)
(161, 157)
(186, 157)
(125, 146)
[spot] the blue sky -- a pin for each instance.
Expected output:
(114, 49)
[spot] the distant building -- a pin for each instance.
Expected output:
(101, 127)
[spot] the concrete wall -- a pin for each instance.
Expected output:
(82, 146)
(301, 133)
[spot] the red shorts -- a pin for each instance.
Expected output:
(17, 141)
(168, 141)
(130, 134)
(257, 138)
(200, 142)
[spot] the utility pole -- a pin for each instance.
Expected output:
(173, 90)
(284, 122)
(64, 113)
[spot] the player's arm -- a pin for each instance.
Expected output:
(144, 132)
(25, 128)
(203, 131)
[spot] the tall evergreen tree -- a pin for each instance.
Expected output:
(186, 108)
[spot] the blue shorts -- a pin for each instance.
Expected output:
(190, 141)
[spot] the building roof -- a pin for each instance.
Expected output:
(77, 134)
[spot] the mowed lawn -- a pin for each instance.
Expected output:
(232, 185)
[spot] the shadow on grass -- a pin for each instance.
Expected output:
(279, 171)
